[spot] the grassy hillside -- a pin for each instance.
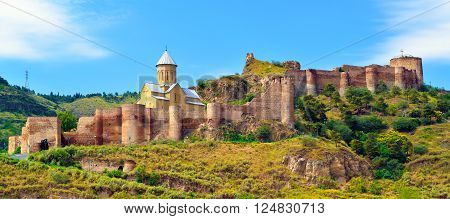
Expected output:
(222, 170)
(87, 106)
(16, 104)
(264, 68)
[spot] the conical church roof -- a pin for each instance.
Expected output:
(166, 59)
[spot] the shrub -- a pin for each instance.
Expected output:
(143, 177)
(387, 168)
(358, 147)
(232, 135)
(366, 123)
(443, 105)
(380, 105)
(263, 133)
(153, 179)
(376, 188)
(57, 156)
(114, 174)
(405, 124)
(59, 177)
(412, 95)
(420, 149)
(415, 113)
(340, 127)
(357, 185)
(381, 88)
(248, 97)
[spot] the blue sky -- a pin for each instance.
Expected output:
(209, 38)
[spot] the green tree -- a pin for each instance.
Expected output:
(400, 148)
(312, 109)
(386, 168)
(329, 90)
(412, 95)
(371, 146)
(68, 120)
(381, 88)
(380, 105)
(360, 98)
(339, 127)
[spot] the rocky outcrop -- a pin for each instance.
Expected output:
(314, 165)
(223, 90)
(248, 125)
(99, 166)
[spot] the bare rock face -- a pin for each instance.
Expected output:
(340, 166)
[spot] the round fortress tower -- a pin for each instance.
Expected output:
(410, 63)
(133, 124)
(344, 83)
(400, 77)
(371, 78)
(311, 82)
(166, 69)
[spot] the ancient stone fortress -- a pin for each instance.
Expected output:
(168, 111)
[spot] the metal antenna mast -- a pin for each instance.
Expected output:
(27, 85)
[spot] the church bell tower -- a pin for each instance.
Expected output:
(166, 70)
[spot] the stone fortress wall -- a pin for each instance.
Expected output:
(135, 124)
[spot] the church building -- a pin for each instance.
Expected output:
(167, 91)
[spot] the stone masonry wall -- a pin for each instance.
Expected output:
(38, 129)
(13, 143)
(133, 123)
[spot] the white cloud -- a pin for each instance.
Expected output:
(25, 37)
(426, 36)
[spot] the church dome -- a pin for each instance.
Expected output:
(166, 59)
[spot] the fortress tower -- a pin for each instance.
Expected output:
(166, 70)
(410, 63)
